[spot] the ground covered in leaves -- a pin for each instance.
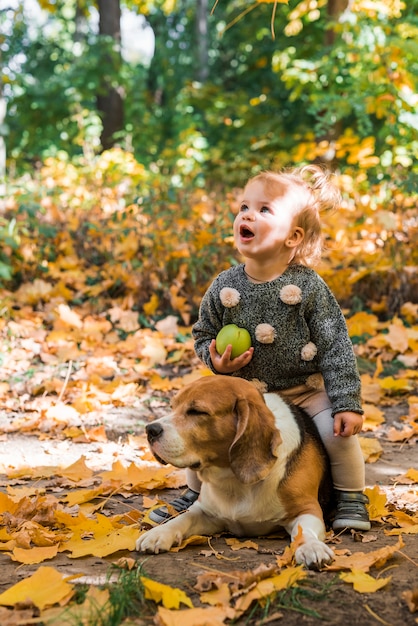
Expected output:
(73, 506)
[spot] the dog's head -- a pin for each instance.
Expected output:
(219, 421)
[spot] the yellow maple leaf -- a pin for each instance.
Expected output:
(395, 384)
(119, 539)
(364, 561)
(412, 474)
(371, 448)
(235, 544)
(146, 476)
(405, 530)
(211, 616)
(79, 496)
(45, 587)
(377, 503)
(362, 323)
(362, 582)
(409, 311)
(77, 471)
(7, 504)
(170, 597)
(373, 417)
(217, 597)
(151, 306)
(34, 555)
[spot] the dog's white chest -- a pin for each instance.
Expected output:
(244, 509)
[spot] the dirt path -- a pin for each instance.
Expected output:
(335, 601)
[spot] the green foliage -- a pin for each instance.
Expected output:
(266, 103)
(343, 93)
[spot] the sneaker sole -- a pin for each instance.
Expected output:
(350, 525)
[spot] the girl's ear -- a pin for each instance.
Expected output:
(295, 237)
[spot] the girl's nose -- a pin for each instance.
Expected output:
(249, 215)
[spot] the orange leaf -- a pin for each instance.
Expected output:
(397, 338)
(235, 544)
(34, 555)
(77, 471)
(212, 616)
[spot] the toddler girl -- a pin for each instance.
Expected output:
(300, 344)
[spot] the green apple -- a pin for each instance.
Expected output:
(232, 334)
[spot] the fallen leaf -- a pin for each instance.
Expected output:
(170, 597)
(362, 582)
(212, 616)
(371, 448)
(411, 598)
(34, 555)
(45, 587)
(235, 544)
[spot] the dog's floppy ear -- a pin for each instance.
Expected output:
(253, 452)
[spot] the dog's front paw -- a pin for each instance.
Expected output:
(158, 539)
(314, 554)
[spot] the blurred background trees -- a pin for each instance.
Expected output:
(337, 82)
(200, 97)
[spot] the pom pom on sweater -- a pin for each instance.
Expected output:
(229, 297)
(264, 333)
(309, 351)
(291, 294)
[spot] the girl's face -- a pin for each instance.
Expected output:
(265, 226)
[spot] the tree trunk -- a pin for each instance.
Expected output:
(109, 101)
(335, 9)
(2, 144)
(202, 70)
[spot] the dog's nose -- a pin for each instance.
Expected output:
(154, 431)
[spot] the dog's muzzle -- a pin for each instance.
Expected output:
(154, 432)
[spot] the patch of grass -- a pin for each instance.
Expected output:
(126, 601)
(126, 597)
(298, 599)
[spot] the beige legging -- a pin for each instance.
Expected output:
(346, 457)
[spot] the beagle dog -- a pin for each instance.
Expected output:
(261, 464)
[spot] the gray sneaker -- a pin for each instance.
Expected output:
(351, 511)
(180, 504)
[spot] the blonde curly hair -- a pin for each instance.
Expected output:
(313, 194)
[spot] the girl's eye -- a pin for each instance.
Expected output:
(264, 209)
(244, 207)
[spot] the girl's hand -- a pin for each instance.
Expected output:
(347, 423)
(223, 364)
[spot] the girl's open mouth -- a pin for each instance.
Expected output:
(245, 232)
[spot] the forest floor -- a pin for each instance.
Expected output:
(321, 598)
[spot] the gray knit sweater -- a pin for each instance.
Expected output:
(306, 332)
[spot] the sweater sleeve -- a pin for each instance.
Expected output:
(336, 358)
(209, 323)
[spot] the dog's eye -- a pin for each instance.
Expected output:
(192, 412)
